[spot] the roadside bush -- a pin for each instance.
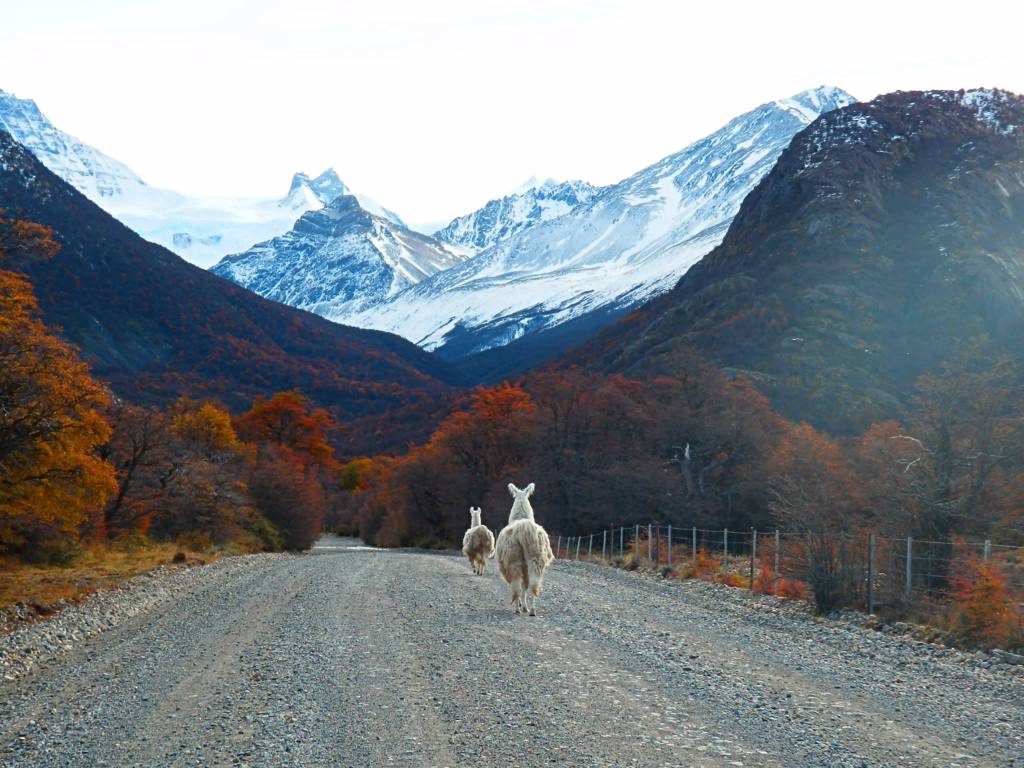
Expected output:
(984, 613)
(196, 541)
(290, 496)
(792, 589)
(61, 550)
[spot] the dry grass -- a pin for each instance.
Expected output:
(97, 567)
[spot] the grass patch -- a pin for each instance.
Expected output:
(94, 567)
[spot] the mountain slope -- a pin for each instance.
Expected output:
(201, 229)
(156, 327)
(631, 241)
(502, 218)
(337, 260)
(888, 235)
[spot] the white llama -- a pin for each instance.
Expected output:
(521, 509)
(477, 542)
(523, 552)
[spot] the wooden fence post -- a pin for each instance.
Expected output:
(650, 529)
(987, 553)
(636, 541)
(693, 552)
(670, 543)
(604, 543)
(590, 547)
(578, 539)
(558, 547)
(725, 549)
(753, 558)
(871, 573)
(909, 586)
(778, 542)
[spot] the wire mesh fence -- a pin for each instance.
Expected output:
(869, 571)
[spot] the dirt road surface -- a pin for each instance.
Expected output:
(357, 657)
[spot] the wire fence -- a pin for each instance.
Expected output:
(870, 571)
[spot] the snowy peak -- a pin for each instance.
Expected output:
(531, 183)
(201, 229)
(93, 173)
(338, 259)
(500, 219)
(606, 251)
(807, 105)
(328, 185)
(325, 187)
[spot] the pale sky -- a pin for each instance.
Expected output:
(433, 107)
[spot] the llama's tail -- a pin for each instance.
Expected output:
(490, 543)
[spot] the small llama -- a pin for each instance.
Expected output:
(478, 542)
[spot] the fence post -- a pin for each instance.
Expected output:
(753, 558)
(636, 541)
(578, 538)
(988, 550)
(775, 586)
(871, 573)
(590, 547)
(725, 550)
(604, 542)
(558, 547)
(650, 528)
(670, 543)
(622, 541)
(693, 552)
(908, 588)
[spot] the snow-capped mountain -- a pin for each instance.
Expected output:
(533, 203)
(96, 175)
(628, 243)
(338, 260)
(201, 229)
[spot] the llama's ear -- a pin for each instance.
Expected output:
(529, 490)
(512, 490)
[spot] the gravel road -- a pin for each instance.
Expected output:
(359, 657)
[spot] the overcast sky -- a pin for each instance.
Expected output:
(434, 106)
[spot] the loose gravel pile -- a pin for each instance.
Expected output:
(32, 642)
(372, 658)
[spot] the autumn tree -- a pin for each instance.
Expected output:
(140, 451)
(957, 465)
(813, 493)
(51, 420)
(290, 495)
(287, 420)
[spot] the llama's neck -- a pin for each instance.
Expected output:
(474, 519)
(521, 510)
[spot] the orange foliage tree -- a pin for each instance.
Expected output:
(985, 613)
(51, 420)
(288, 421)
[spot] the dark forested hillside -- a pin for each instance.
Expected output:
(156, 327)
(889, 236)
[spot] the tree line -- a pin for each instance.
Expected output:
(705, 449)
(78, 464)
